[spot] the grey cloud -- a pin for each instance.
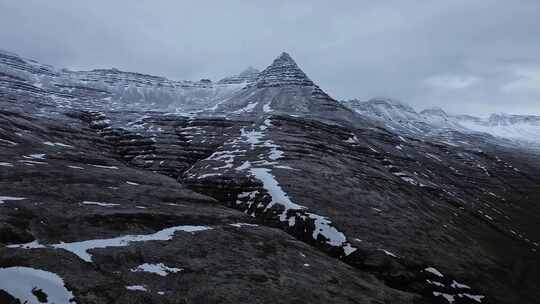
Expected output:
(353, 49)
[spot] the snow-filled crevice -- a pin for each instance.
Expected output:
(291, 213)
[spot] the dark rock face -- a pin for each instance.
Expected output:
(307, 202)
(283, 72)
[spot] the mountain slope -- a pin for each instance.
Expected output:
(115, 232)
(305, 202)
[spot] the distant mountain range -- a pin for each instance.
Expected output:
(398, 115)
(114, 89)
(118, 89)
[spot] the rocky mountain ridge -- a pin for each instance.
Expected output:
(305, 202)
(521, 128)
(112, 88)
(249, 75)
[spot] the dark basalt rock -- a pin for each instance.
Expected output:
(283, 72)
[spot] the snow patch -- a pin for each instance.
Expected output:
(439, 284)
(252, 137)
(100, 204)
(279, 196)
(266, 107)
(448, 297)
(208, 175)
(3, 199)
(105, 167)
(136, 288)
(32, 245)
(248, 108)
(244, 166)
(352, 140)
(81, 248)
(20, 281)
(459, 285)
(159, 269)
(36, 156)
(9, 142)
(57, 144)
(388, 253)
(477, 298)
(323, 226)
(434, 271)
(240, 225)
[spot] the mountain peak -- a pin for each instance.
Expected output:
(389, 103)
(249, 71)
(285, 57)
(434, 111)
(382, 108)
(249, 75)
(284, 88)
(282, 72)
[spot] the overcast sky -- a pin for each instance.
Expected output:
(466, 56)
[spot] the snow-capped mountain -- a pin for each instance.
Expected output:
(275, 192)
(249, 75)
(403, 118)
(525, 128)
(284, 88)
(384, 109)
(114, 89)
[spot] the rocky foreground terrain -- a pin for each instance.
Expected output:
(120, 187)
